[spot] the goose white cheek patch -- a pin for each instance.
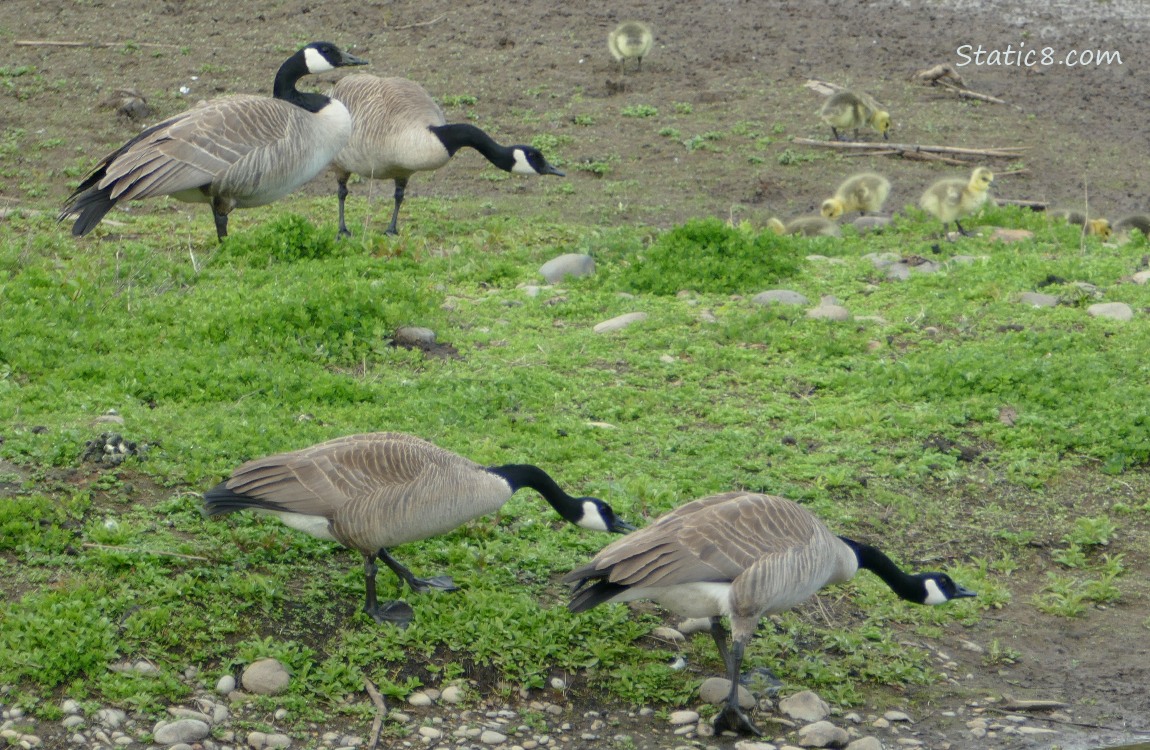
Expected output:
(934, 594)
(522, 166)
(316, 63)
(592, 518)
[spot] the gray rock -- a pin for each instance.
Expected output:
(680, 718)
(225, 685)
(1141, 277)
(1112, 310)
(187, 713)
(279, 741)
(780, 296)
(569, 264)
(111, 718)
(1037, 299)
(266, 677)
(714, 690)
(882, 260)
(896, 716)
(866, 743)
(181, 730)
(805, 706)
(452, 694)
(668, 634)
(898, 271)
(491, 737)
(257, 739)
(829, 312)
(823, 734)
(754, 745)
(414, 336)
(619, 322)
(72, 721)
(420, 699)
(70, 706)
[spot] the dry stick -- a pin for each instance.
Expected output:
(413, 25)
(968, 94)
(381, 711)
(50, 43)
(943, 70)
(1004, 152)
(1075, 723)
(1022, 202)
(116, 548)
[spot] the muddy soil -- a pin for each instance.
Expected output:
(736, 68)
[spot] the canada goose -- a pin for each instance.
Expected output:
(862, 192)
(950, 199)
(1123, 226)
(374, 491)
(808, 226)
(630, 39)
(741, 555)
(1098, 227)
(400, 130)
(848, 110)
(232, 152)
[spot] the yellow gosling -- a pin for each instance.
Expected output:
(862, 192)
(847, 110)
(951, 199)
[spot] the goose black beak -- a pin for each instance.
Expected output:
(619, 526)
(961, 592)
(548, 169)
(350, 59)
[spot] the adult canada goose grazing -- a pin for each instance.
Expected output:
(951, 199)
(862, 192)
(847, 110)
(400, 130)
(374, 491)
(232, 152)
(807, 226)
(630, 40)
(1098, 227)
(743, 556)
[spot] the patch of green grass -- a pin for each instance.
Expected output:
(459, 100)
(639, 110)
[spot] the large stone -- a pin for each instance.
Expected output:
(183, 730)
(714, 690)
(266, 677)
(805, 706)
(866, 743)
(225, 684)
(780, 296)
(1037, 299)
(568, 264)
(1112, 310)
(680, 718)
(823, 734)
(619, 322)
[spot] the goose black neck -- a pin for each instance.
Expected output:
(907, 586)
(519, 476)
(293, 69)
(457, 135)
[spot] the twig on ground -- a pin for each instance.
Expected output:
(380, 712)
(414, 25)
(133, 550)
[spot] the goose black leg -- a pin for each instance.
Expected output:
(220, 215)
(962, 231)
(342, 194)
(419, 585)
(733, 718)
(397, 613)
(400, 186)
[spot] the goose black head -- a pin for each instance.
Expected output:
(599, 516)
(939, 588)
(324, 56)
(530, 160)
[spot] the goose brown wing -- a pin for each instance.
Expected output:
(195, 148)
(713, 539)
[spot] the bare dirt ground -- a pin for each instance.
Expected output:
(536, 67)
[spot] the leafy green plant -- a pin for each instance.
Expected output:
(639, 110)
(459, 100)
(709, 256)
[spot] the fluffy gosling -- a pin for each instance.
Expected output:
(862, 192)
(1097, 227)
(951, 199)
(1124, 226)
(630, 40)
(848, 110)
(807, 226)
